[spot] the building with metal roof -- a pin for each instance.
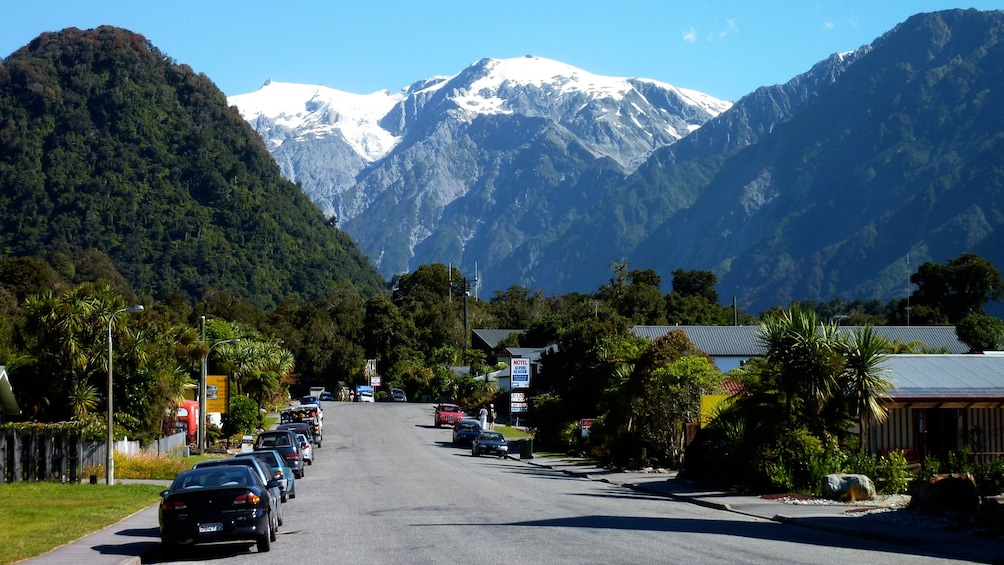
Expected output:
(731, 346)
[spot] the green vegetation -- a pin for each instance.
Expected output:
(35, 514)
(118, 164)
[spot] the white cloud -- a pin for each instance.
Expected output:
(828, 25)
(730, 28)
(690, 35)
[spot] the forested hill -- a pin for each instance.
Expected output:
(106, 143)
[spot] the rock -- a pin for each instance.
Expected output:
(848, 488)
(945, 493)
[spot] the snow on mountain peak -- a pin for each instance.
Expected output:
(319, 111)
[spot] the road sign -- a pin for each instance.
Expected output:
(520, 372)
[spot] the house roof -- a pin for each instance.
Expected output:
(742, 341)
(7, 400)
(491, 338)
(945, 376)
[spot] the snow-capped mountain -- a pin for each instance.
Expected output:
(412, 175)
(323, 137)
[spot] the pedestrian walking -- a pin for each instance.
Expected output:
(483, 418)
(491, 416)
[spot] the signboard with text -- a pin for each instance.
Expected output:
(520, 373)
(216, 394)
(517, 402)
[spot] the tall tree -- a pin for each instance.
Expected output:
(862, 381)
(962, 287)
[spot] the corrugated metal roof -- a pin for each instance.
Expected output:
(939, 376)
(717, 341)
(739, 341)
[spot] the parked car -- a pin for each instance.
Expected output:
(216, 504)
(280, 470)
(327, 396)
(263, 472)
(306, 449)
(489, 443)
(448, 414)
(310, 399)
(283, 441)
(465, 431)
(398, 395)
(302, 428)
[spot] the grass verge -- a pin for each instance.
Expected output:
(41, 516)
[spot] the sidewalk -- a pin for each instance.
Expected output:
(899, 527)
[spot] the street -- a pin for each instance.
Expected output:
(388, 487)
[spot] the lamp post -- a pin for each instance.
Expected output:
(110, 461)
(202, 389)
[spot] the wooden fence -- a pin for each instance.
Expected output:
(61, 455)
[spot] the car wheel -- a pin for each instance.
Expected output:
(264, 541)
(279, 520)
(283, 497)
(438, 425)
(274, 531)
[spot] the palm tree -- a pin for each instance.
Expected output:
(863, 384)
(803, 356)
(83, 400)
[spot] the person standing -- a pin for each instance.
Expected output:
(491, 416)
(483, 417)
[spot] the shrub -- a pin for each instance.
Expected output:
(792, 462)
(860, 464)
(892, 473)
(990, 478)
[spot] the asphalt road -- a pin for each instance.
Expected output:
(388, 487)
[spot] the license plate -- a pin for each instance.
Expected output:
(211, 527)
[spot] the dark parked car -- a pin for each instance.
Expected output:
(327, 397)
(283, 441)
(302, 428)
(280, 470)
(216, 504)
(398, 395)
(263, 472)
(490, 443)
(465, 431)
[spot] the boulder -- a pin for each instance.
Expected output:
(848, 488)
(945, 493)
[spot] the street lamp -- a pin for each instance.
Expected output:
(110, 461)
(202, 392)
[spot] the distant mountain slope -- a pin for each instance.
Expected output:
(106, 143)
(838, 183)
(894, 162)
(474, 165)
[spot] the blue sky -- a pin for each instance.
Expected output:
(725, 49)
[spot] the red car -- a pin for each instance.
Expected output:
(448, 414)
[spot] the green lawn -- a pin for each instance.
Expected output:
(38, 517)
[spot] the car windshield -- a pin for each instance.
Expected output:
(490, 436)
(211, 477)
(468, 425)
(450, 409)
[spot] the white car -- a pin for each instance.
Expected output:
(365, 396)
(306, 449)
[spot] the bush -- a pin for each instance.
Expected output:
(860, 464)
(892, 473)
(242, 417)
(990, 478)
(792, 462)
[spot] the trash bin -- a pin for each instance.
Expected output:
(526, 448)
